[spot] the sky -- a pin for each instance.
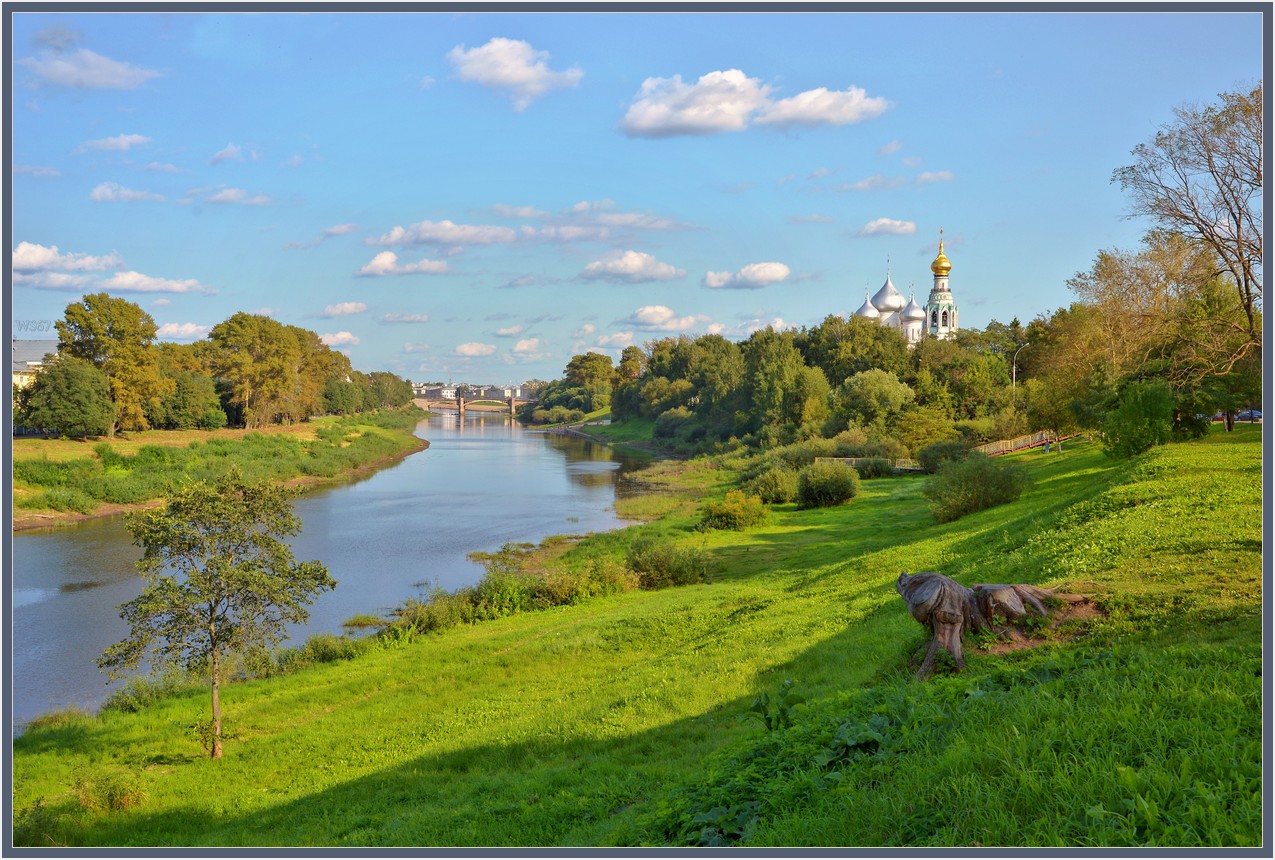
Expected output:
(477, 197)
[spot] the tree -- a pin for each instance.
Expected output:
(1201, 177)
(219, 581)
(257, 357)
(873, 398)
(69, 397)
(118, 338)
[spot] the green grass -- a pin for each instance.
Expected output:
(626, 720)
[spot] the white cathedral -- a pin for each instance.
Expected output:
(938, 317)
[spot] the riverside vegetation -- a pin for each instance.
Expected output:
(767, 701)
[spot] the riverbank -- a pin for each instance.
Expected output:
(663, 718)
(60, 482)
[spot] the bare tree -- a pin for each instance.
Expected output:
(1201, 176)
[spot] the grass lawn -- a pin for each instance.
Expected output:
(631, 720)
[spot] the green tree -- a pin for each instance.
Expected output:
(773, 369)
(192, 403)
(118, 338)
(1141, 419)
(219, 581)
(258, 358)
(69, 397)
(873, 398)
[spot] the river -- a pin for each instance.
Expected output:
(484, 481)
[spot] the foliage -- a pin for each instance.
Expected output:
(659, 563)
(825, 484)
(935, 455)
(737, 511)
(776, 485)
(973, 483)
(1141, 419)
(233, 584)
(69, 397)
(874, 467)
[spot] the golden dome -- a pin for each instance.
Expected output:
(941, 265)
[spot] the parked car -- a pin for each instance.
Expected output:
(1249, 415)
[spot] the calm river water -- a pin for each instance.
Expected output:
(482, 482)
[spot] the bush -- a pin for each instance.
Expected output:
(671, 421)
(935, 455)
(659, 564)
(776, 485)
(822, 485)
(874, 467)
(736, 512)
(972, 484)
(1143, 418)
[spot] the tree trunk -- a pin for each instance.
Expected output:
(214, 740)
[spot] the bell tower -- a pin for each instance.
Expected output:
(940, 310)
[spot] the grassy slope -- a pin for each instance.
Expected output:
(621, 720)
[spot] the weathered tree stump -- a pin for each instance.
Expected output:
(949, 609)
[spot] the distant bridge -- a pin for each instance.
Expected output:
(477, 404)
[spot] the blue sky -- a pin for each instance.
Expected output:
(478, 197)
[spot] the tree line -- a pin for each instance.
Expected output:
(110, 374)
(1163, 336)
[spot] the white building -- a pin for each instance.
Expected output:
(938, 317)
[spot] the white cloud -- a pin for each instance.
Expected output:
(119, 143)
(113, 192)
(754, 276)
(36, 170)
(84, 69)
(416, 347)
(887, 226)
(29, 257)
(239, 197)
(584, 330)
(46, 280)
(136, 282)
(405, 318)
(630, 267)
(822, 106)
(331, 232)
(182, 331)
(386, 263)
(446, 233)
(231, 152)
(344, 309)
(525, 347)
(161, 167)
(511, 65)
(935, 176)
(619, 340)
(891, 147)
(565, 233)
(512, 331)
(719, 101)
(160, 303)
(475, 350)
(263, 312)
(661, 318)
(340, 338)
(871, 183)
(506, 211)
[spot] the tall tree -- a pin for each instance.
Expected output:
(118, 338)
(258, 358)
(69, 397)
(219, 580)
(1201, 176)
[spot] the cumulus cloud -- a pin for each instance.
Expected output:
(729, 100)
(475, 350)
(891, 147)
(231, 152)
(386, 264)
(584, 330)
(822, 106)
(119, 143)
(344, 309)
(934, 176)
(29, 257)
(754, 276)
(528, 346)
(46, 280)
(113, 192)
(84, 69)
(619, 340)
(340, 338)
(887, 226)
(661, 318)
(405, 318)
(511, 331)
(446, 233)
(136, 282)
(719, 101)
(511, 65)
(238, 197)
(630, 267)
(506, 211)
(416, 347)
(182, 331)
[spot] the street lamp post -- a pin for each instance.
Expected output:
(1013, 379)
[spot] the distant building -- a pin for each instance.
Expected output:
(938, 317)
(28, 358)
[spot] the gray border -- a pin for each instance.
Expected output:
(593, 6)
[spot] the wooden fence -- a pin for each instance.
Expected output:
(901, 464)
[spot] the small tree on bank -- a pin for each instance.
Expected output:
(219, 581)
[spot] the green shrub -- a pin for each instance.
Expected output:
(874, 467)
(972, 484)
(113, 789)
(934, 455)
(822, 485)
(776, 485)
(736, 512)
(61, 499)
(502, 593)
(660, 563)
(1142, 418)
